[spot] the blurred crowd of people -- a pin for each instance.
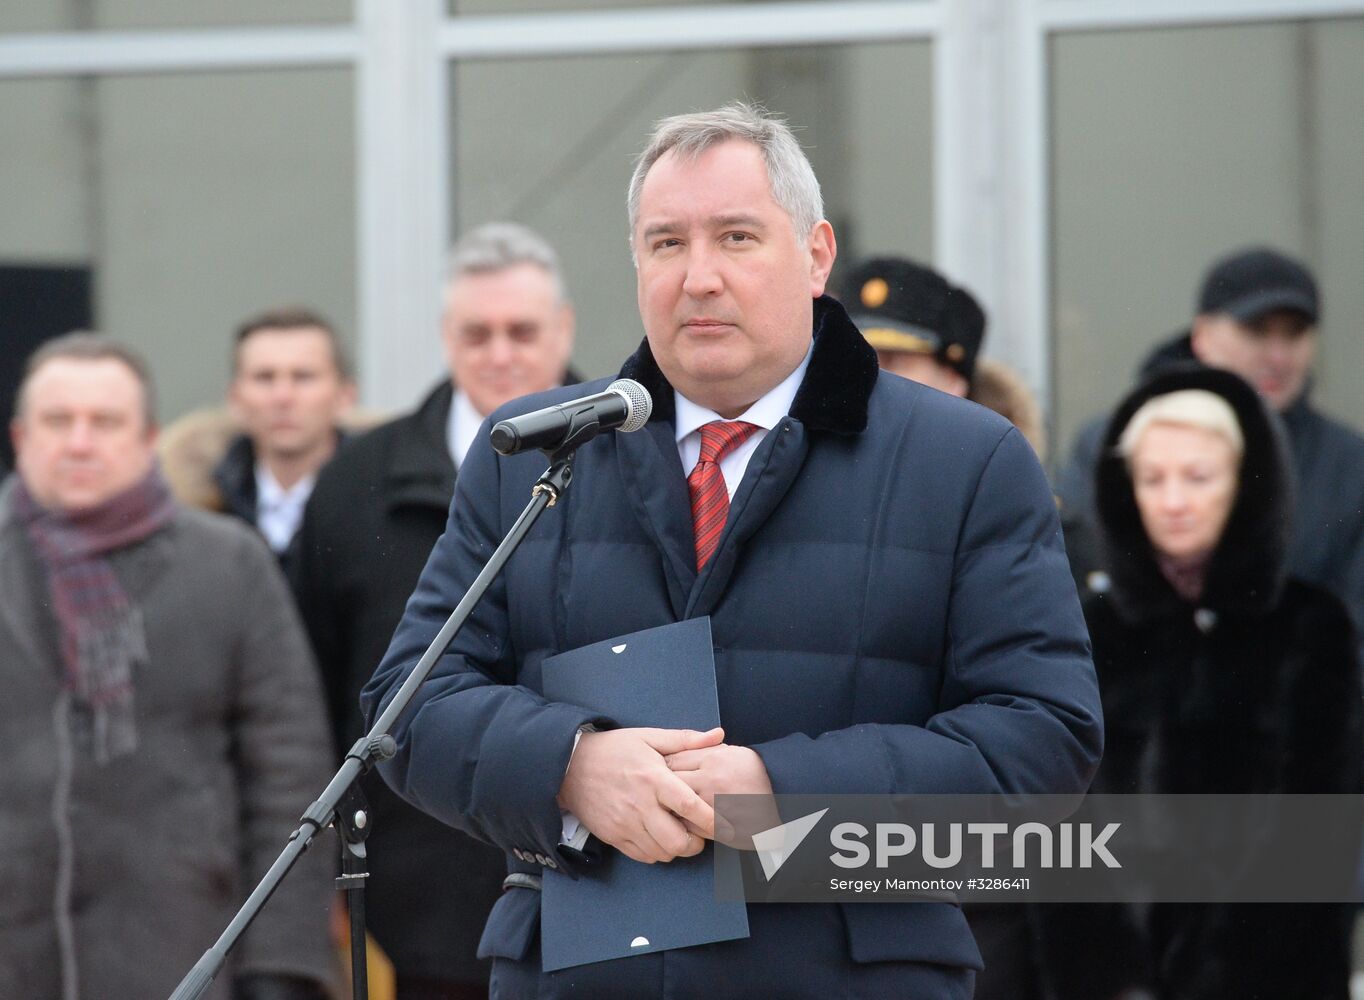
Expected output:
(197, 683)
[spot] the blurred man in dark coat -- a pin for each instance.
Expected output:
(290, 408)
(375, 513)
(290, 389)
(163, 721)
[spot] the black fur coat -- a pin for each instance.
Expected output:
(1254, 689)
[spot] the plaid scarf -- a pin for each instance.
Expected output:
(101, 630)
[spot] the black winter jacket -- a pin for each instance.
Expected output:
(375, 512)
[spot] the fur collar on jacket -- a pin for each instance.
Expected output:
(193, 446)
(1248, 567)
(837, 386)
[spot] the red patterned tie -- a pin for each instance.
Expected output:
(709, 496)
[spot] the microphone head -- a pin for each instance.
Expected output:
(637, 399)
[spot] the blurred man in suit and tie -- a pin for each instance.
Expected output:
(506, 330)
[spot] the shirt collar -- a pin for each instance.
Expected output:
(766, 413)
(461, 426)
(270, 494)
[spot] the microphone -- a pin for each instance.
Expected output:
(624, 406)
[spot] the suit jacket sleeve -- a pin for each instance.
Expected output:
(476, 749)
(1019, 705)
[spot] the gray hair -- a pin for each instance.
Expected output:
(496, 246)
(794, 185)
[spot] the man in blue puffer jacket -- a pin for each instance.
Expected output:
(888, 592)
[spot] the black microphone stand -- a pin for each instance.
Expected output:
(342, 803)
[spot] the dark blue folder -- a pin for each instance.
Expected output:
(663, 677)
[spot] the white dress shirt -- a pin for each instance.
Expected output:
(461, 427)
(766, 413)
(279, 512)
